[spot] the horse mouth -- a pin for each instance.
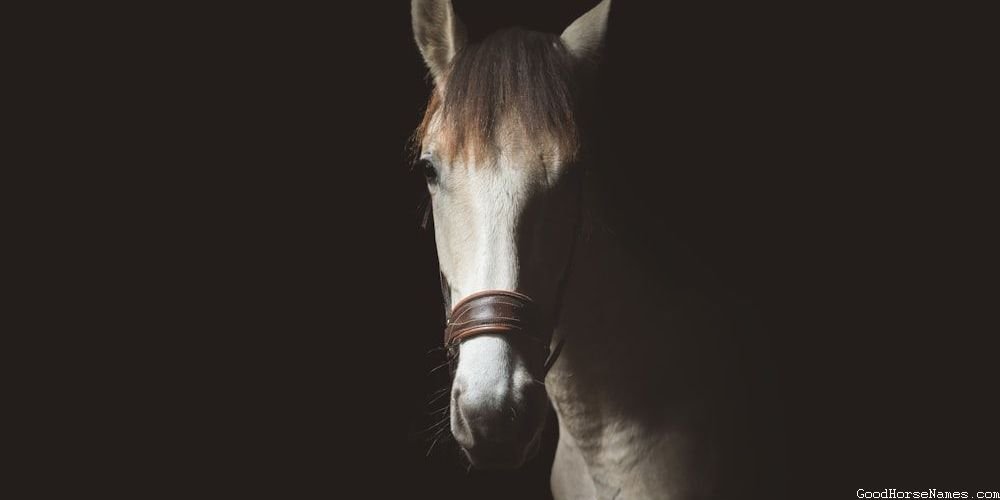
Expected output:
(502, 456)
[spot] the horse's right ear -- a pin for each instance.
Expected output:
(585, 37)
(439, 33)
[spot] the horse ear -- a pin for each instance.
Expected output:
(585, 37)
(439, 33)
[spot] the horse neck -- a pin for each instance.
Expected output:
(628, 339)
(642, 387)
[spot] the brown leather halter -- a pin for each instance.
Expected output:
(498, 312)
(501, 312)
(493, 311)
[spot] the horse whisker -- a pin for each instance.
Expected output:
(442, 365)
(439, 410)
(438, 397)
(435, 425)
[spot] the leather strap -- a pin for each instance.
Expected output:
(498, 312)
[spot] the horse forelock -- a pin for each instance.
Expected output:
(516, 86)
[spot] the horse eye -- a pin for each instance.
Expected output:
(429, 170)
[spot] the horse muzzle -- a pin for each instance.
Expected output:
(498, 407)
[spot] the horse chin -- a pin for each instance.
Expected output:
(503, 457)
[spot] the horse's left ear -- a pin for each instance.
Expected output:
(439, 33)
(585, 37)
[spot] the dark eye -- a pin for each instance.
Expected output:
(428, 169)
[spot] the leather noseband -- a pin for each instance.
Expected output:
(498, 312)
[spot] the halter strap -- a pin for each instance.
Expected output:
(497, 312)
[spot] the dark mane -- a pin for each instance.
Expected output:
(513, 74)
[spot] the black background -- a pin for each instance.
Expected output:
(278, 305)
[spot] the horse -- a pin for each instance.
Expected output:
(545, 305)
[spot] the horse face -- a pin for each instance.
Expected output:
(504, 225)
